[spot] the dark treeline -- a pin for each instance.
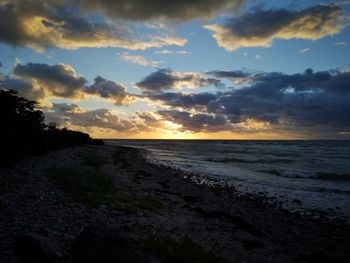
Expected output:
(24, 133)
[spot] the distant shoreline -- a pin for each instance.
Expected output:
(267, 140)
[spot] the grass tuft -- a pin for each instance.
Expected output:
(86, 185)
(91, 159)
(94, 187)
(186, 250)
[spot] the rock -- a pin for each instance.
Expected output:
(101, 243)
(36, 247)
(68, 238)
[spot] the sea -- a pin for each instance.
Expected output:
(303, 176)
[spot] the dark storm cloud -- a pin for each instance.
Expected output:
(260, 27)
(165, 79)
(196, 122)
(234, 74)
(43, 24)
(310, 100)
(10, 29)
(186, 101)
(16, 84)
(108, 89)
(176, 10)
(271, 84)
(157, 81)
(61, 80)
(24, 88)
(275, 83)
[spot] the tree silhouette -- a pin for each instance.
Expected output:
(18, 114)
(23, 131)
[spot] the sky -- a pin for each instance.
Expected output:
(201, 69)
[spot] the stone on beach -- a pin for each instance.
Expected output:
(99, 242)
(37, 247)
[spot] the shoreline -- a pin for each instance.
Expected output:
(244, 228)
(293, 205)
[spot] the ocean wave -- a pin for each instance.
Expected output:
(330, 190)
(242, 160)
(333, 176)
(288, 174)
(308, 175)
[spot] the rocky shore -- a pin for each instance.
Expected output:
(109, 204)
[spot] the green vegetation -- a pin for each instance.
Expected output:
(91, 158)
(86, 185)
(95, 188)
(186, 250)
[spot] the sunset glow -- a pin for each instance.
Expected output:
(227, 69)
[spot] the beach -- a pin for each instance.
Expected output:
(158, 201)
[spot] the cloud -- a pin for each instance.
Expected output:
(158, 25)
(315, 103)
(340, 43)
(169, 52)
(164, 79)
(260, 27)
(182, 52)
(41, 25)
(332, 81)
(164, 52)
(42, 82)
(149, 117)
(139, 60)
(168, 41)
(342, 3)
(109, 90)
(176, 10)
(196, 122)
(304, 50)
(13, 83)
(58, 80)
(232, 75)
(236, 76)
(198, 101)
(71, 114)
(24, 88)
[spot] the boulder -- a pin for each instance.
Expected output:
(102, 243)
(36, 247)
